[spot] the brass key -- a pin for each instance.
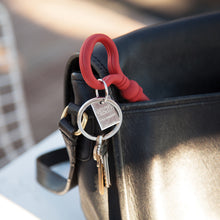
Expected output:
(104, 159)
(97, 157)
(100, 177)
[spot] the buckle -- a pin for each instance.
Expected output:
(84, 120)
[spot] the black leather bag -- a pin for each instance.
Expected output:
(165, 160)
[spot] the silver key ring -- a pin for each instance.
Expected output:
(98, 100)
(106, 90)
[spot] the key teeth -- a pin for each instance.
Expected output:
(105, 180)
(107, 185)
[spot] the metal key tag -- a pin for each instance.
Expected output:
(105, 113)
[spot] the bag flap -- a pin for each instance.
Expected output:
(168, 60)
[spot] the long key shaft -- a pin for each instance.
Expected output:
(106, 170)
(97, 157)
(100, 177)
(104, 158)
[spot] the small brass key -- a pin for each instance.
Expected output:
(97, 157)
(104, 160)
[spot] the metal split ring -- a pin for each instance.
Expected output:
(106, 90)
(98, 100)
(84, 120)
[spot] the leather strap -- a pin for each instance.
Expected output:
(50, 179)
(45, 175)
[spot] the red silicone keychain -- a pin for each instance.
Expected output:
(130, 89)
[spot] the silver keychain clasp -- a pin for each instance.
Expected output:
(106, 90)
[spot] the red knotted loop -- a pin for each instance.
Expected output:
(130, 89)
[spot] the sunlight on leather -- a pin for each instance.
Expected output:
(169, 5)
(10, 210)
(75, 18)
(181, 188)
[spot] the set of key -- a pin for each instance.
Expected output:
(100, 155)
(108, 114)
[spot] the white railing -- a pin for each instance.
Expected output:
(15, 133)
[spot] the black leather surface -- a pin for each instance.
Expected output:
(165, 159)
(169, 162)
(46, 176)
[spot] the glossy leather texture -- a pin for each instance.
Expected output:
(164, 162)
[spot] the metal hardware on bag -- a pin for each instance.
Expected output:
(130, 89)
(65, 112)
(84, 120)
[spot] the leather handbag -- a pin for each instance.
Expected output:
(164, 162)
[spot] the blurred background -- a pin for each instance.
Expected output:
(45, 34)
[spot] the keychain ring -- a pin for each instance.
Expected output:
(106, 90)
(98, 100)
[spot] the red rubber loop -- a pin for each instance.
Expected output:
(130, 89)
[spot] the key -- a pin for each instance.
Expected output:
(98, 159)
(100, 177)
(104, 158)
(106, 170)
